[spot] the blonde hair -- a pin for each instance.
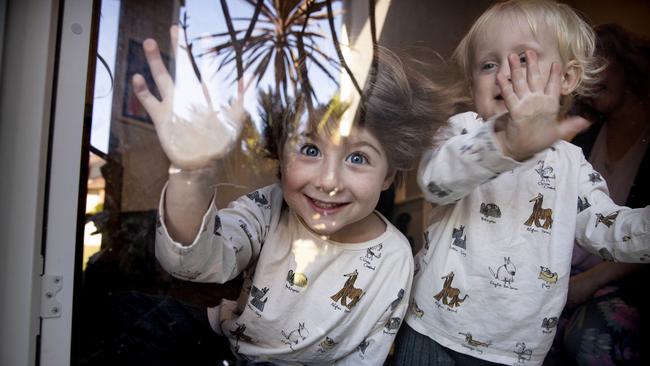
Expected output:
(576, 39)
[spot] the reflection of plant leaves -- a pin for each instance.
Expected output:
(279, 28)
(214, 35)
(322, 68)
(261, 68)
(252, 59)
(110, 74)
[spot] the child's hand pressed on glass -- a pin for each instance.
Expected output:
(192, 134)
(532, 123)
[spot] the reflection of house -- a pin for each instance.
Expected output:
(137, 183)
(94, 204)
(96, 184)
(133, 141)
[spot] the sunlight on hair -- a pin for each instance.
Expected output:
(345, 127)
(336, 139)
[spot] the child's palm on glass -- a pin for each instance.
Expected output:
(192, 134)
(532, 123)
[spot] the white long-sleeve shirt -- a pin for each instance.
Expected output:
(305, 299)
(492, 278)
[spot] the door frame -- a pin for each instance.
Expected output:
(42, 94)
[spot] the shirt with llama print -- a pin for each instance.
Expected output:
(305, 299)
(492, 277)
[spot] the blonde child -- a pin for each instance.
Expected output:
(326, 278)
(511, 196)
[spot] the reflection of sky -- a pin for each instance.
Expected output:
(107, 45)
(204, 16)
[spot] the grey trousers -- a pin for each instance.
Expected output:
(415, 349)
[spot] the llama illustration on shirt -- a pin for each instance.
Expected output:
(449, 295)
(540, 214)
(348, 292)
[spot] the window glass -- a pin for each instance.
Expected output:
(241, 61)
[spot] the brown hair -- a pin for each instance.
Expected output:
(404, 107)
(400, 106)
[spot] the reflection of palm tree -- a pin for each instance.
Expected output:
(280, 33)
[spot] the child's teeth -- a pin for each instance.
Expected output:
(325, 204)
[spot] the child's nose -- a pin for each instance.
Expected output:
(329, 180)
(504, 70)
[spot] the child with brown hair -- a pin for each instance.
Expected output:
(511, 195)
(326, 278)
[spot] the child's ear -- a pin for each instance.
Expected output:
(390, 178)
(571, 77)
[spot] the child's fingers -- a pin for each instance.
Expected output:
(148, 100)
(553, 84)
(572, 126)
(159, 72)
(234, 116)
(173, 36)
(533, 74)
(507, 92)
(519, 83)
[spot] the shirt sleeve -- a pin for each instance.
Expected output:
(375, 347)
(462, 159)
(616, 233)
(229, 239)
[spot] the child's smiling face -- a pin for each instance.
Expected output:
(501, 36)
(334, 188)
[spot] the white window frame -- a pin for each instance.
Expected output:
(64, 179)
(28, 130)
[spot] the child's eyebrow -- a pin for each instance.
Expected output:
(485, 55)
(535, 46)
(359, 144)
(308, 135)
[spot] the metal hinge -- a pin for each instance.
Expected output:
(50, 286)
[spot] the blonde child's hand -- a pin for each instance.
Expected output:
(531, 124)
(192, 134)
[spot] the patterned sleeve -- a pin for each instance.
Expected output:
(461, 160)
(375, 347)
(229, 240)
(616, 233)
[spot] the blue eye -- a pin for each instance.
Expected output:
(309, 150)
(357, 159)
(488, 66)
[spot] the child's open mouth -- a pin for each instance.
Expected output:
(325, 206)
